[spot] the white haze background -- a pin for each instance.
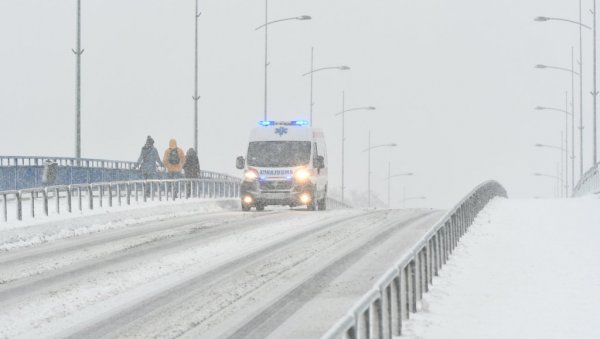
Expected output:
(453, 82)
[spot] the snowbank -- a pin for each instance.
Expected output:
(526, 269)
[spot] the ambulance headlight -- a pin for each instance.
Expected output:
(305, 198)
(250, 175)
(301, 175)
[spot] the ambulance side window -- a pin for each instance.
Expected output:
(315, 153)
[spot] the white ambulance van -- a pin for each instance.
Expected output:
(286, 164)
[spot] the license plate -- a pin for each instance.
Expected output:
(274, 195)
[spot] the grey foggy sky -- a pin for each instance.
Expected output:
(453, 82)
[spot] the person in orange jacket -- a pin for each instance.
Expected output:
(174, 159)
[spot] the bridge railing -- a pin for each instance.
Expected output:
(589, 183)
(381, 311)
(21, 172)
(80, 197)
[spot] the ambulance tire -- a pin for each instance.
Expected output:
(323, 204)
(312, 206)
(245, 208)
(260, 207)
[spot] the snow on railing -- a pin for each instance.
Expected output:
(381, 311)
(589, 183)
(107, 194)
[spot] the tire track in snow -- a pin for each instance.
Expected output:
(154, 303)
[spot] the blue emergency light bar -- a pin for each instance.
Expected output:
(266, 123)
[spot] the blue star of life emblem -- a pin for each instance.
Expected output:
(281, 131)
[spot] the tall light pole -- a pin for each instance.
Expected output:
(389, 177)
(581, 26)
(567, 114)
(343, 114)
(595, 93)
(196, 97)
(312, 72)
(78, 53)
(266, 27)
(573, 74)
(561, 149)
(368, 149)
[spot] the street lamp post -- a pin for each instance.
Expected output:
(581, 26)
(389, 177)
(567, 114)
(573, 74)
(343, 114)
(266, 26)
(312, 72)
(561, 149)
(368, 149)
(78, 53)
(196, 97)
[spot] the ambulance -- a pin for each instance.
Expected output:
(286, 164)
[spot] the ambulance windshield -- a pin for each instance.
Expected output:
(278, 153)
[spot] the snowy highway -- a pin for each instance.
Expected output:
(281, 274)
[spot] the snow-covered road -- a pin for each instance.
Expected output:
(282, 273)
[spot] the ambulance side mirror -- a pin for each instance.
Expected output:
(240, 162)
(320, 163)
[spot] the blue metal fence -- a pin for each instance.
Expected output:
(21, 172)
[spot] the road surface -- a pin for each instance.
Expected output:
(280, 274)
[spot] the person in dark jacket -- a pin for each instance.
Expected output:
(148, 161)
(191, 168)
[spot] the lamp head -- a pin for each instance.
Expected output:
(541, 18)
(304, 17)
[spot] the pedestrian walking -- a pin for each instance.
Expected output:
(148, 162)
(174, 159)
(191, 169)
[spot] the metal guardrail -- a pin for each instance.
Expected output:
(96, 195)
(589, 183)
(20, 172)
(381, 311)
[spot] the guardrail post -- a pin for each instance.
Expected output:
(19, 206)
(110, 195)
(5, 207)
(436, 259)
(79, 199)
(396, 303)
(405, 279)
(119, 194)
(446, 241)
(378, 318)
(129, 193)
(101, 196)
(57, 196)
(413, 285)
(69, 199)
(423, 272)
(364, 324)
(32, 204)
(90, 191)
